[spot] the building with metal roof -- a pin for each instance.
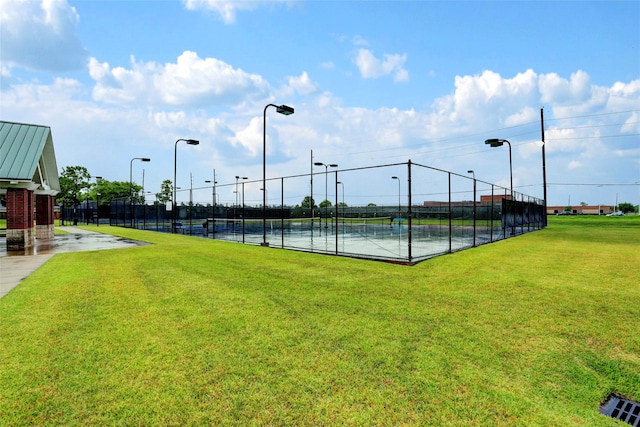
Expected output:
(27, 158)
(28, 179)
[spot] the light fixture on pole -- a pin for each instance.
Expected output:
(287, 111)
(399, 213)
(175, 186)
(326, 188)
(493, 143)
(142, 159)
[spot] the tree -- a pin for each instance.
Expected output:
(307, 202)
(626, 207)
(110, 190)
(371, 204)
(325, 204)
(342, 205)
(74, 183)
(166, 192)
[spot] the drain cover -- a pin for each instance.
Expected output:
(622, 409)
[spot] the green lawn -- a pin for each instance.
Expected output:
(533, 330)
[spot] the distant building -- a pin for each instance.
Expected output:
(484, 201)
(497, 200)
(494, 198)
(581, 210)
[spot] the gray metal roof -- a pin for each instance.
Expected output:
(27, 158)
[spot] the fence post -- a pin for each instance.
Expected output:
(491, 216)
(409, 213)
(450, 215)
(336, 221)
(282, 211)
(503, 216)
(474, 212)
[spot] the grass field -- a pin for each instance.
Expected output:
(533, 330)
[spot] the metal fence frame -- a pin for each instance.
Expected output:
(422, 230)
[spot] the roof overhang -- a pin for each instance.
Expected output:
(28, 159)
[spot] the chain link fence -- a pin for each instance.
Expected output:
(408, 212)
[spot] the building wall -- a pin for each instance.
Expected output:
(45, 206)
(19, 219)
(495, 198)
(581, 210)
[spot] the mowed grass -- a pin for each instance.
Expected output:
(533, 330)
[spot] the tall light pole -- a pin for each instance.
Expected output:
(395, 177)
(142, 159)
(498, 143)
(287, 111)
(175, 186)
(326, 188)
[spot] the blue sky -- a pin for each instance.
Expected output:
(372, 82)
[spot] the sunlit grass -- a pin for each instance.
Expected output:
(533, 330)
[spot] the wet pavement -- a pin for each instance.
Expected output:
(15, 266)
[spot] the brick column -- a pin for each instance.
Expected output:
(44, 216)
(19, 219)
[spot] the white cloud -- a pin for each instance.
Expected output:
(574, 164)
(557, 90)
(251, 137)
(5, 71)
(191, 80)
(489, 101)
(371, 67)
(573, 96)
(157, 103)
(632, 124)
(303, 84)
(329, 65)
(623, 96)
(227, 9)
(40, 35)
(526, 114)
(360, 41)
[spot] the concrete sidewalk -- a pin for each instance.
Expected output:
(14, 269)
(75, 230)
(16, 266)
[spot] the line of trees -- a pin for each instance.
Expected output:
(308, 201)
(76, 187)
